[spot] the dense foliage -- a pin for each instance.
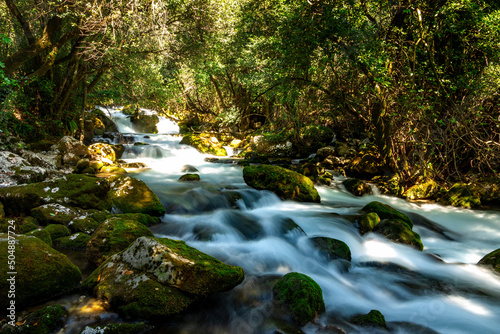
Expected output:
(419, 78)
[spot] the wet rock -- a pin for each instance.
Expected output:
(373, 319)
(368, 222)
(428, 189)
(57, 231)
(102, 152)
(325, 152)
(189, 178)
(113, 236)
(15, 169)
(113, 169)
(42, 272)
(461, 195)
(145, 123)
(130, 195)
(154, 278)
(42, 235)
(332, 249)
(54, 214)
(204, 143)
(71, 149)
(398, 231)
(491, 260)
(77, 241)
(287, 225)
(72, 190)
(249, 227)
(136, 328)
(385, 211)
(283, 182)
(84, 224)
(298, 297)
(134, 165)
(357, 187)
(366, 165)
(189, 169)
(47, 320)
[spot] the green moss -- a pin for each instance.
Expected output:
(113, 169)
(2, 211)
(42, 235)
(27, 225)
(373, 318)
(112, 236)
(145, 123)
(398, 231)
(461, 195)
(24, 226)
(283, 182)
(57, 231)
(204, 144)
(84, 224)
(42, 272)
(357, 187)
(332, 248)
(368, 222)
(428, 189)
(492, 260)
(139, 217)
(189, 178)
(47, 320)
(130, 195)
(299, 296)
(77, 241)
(385, 211)
(54, 214)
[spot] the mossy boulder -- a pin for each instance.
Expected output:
(139, 217)
(71, 190)
(85, 224)
(325, 152)
(373, 319)
(102, 152)
(54, 214)
(398, 231)
(189, 178)
(332, 249)
(130, 195)
(492, 260)
(428, 189)
(71, 150)
(283, 182)
(204, 143)
(42, 235)
(47, 320)
(368, 222)
(42, 272)
(21, 226)
(385, 211)
(357, 187)
(366, 165)
(57, 231)
(136, 328)
(77, 241)
(145, 123)
(113, 169)
(2, 211)
(298, 297)
(113, 236)
(461, 195)
(154, 278)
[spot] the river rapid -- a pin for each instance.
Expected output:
(440, 289)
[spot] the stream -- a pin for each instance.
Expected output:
(438, 290)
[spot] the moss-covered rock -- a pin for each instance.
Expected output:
(47, 320)
(366, 165)
(57, 231)
(113, 169)
(398, 231)
(299, 297)
(332, 249)
(325, 152)
(42, 272)
(428, 189)
(189, 178)
(113, 236)
(54, 214)
(77, 241)
(2, 211)
(283, 182)
(72, 190)
(373, 319)
(130, 195)
(492, 260)
(136, 328)
(385, 211)
(102, 152)
(204, 143)
(42, 235)
(145, 123)
(461, 195)
(84, 224)
(21, 226)
(357, 187)
(368, 222)
(154, 278)
(139, 217)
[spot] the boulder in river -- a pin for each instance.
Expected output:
(189, 178)
(492, 260)
(154, 278)
(130, 195)
(385, 211)
(205, 143)
(332, 249)
(462, 195)
(283, 182)
(42, 272)
(102, 152)
(298, 297)
(428, 189)
(357, 187)
(373, 319)
(145, 123)
(398, 231)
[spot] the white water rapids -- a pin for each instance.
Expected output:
(440, 288)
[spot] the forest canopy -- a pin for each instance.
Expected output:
(418, 79)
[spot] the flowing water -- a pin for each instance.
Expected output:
(440, 288)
